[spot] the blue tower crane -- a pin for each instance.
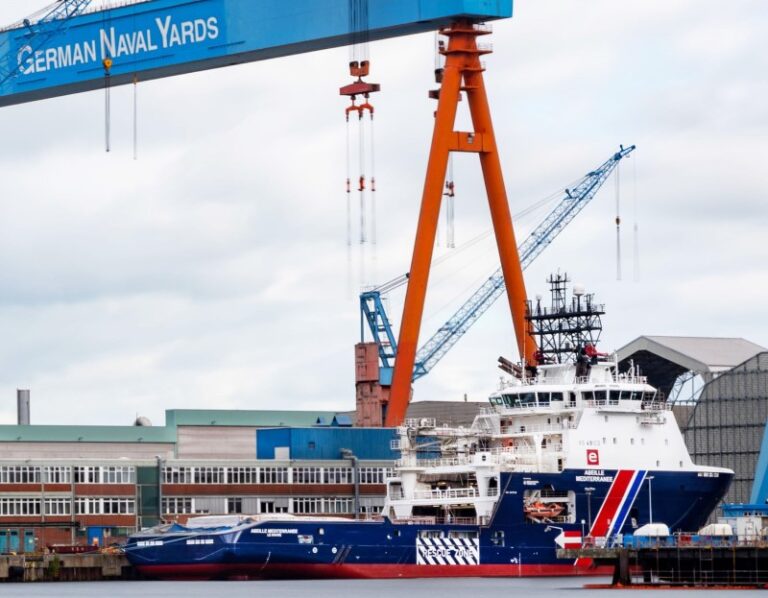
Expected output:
(434, 349)
(37, 33)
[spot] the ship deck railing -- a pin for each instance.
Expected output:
(439, 462)
(498, 455)
(565, 380)
(419, 520)
(439, 494)
(631, 406)
(514, 451)
(684, 540)
(546, 428)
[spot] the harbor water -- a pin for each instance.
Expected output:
(538, 587)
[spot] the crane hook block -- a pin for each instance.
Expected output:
(359, 69)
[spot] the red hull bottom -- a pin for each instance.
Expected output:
(350, 571)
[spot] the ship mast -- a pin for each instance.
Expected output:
(565, 329)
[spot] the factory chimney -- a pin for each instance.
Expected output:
(22, 402)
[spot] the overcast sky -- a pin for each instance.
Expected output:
(213, 271)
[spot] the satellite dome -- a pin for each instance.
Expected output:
(142, 421)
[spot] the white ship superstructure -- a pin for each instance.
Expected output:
(554, 421)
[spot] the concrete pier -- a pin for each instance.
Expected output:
(721, 565)
(64, 567)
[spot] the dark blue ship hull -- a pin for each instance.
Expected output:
(603, 504)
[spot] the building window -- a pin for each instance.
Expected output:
(118, 475)
(327, 505)
(86, 475)
(118, 506)
(234, 505)
(178, 505)
(105, 506)
(242, 475)
(303, 506)
(338, 505)
(337, 475)
(306, 475)
(20, 474)
(372, 475)
(177, 475)
(19, 506)
(57, 475)
(273, 475)
(58, 506)
(209, 475)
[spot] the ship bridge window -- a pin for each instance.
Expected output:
(600, 397)
(497, 401)
(588, 395)
(527, 399)
(512, 400)
(557, 396)
(614, 397)
(543, 398)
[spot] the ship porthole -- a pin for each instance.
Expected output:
(314, 550)
(334, 550)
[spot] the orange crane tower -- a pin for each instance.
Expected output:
(463, 72)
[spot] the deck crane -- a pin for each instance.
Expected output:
(40, 29)
(373, 312)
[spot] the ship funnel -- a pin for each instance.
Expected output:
(22, 407)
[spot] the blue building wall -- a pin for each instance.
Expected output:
(326, 443)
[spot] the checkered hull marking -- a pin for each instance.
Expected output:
(447, 551)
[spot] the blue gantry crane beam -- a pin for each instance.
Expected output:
(434, 349)
(150, 39)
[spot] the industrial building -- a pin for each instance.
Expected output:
(96, 484)
(728, 427)
(63, 485)
(724, 419)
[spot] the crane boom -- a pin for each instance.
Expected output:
(481, 300)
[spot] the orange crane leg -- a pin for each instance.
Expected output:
(501, 216)
(462, 71)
